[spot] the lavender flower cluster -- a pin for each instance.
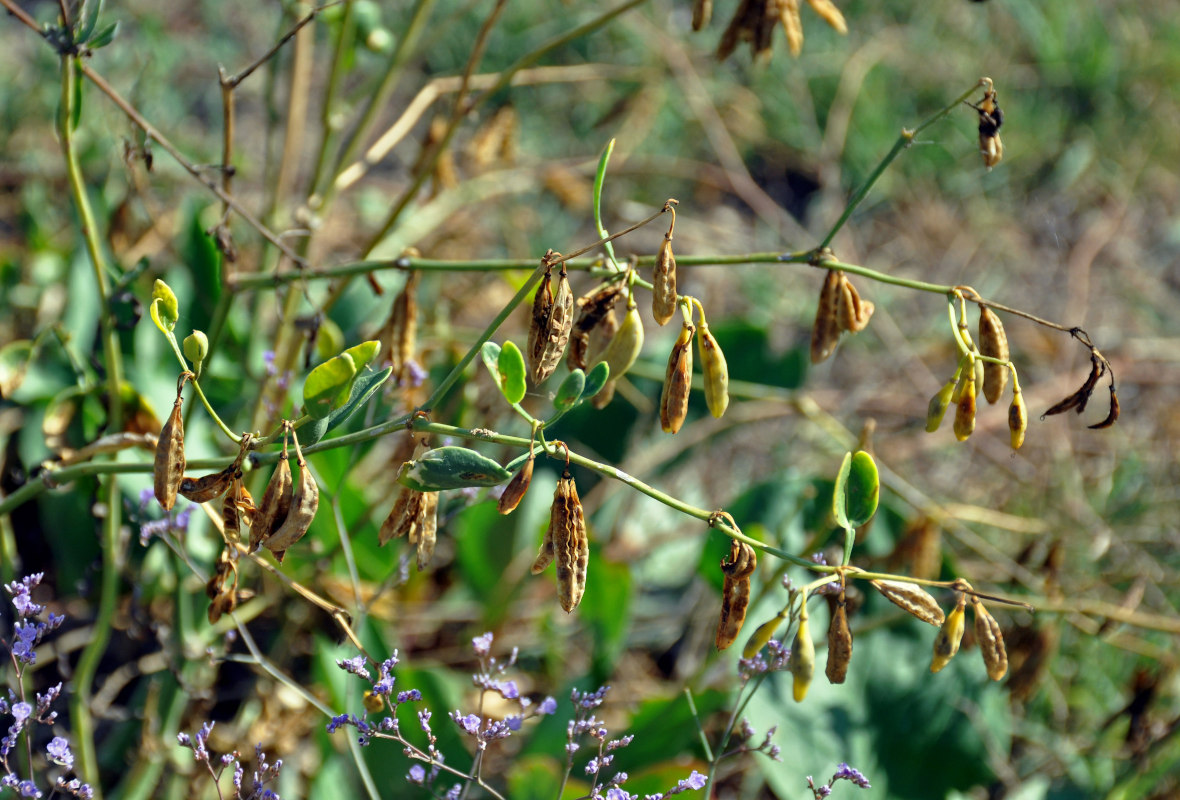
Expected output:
(27, 634)
(843, 773)
(262, 774)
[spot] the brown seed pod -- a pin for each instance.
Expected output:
(950, 635)
(551, 338)
(911, 598)
(702, 12)
(993, 342)
(919, 551)
(599, 338)
(663, 283)
(230, 518)
(991, 641)
(677, 382)
(515, 491)
(539, 320)
(965, 407)
(401, 329)
(854, 313)
(792, 25)
(826, 331)
(209, 487)
(245, 505)
(426, 529)
(275, 505)
(304, 502)
(168, 469)
(715, 371)
(593, 310)
(401, 517)
(829, 14)
(839, 641)
(990, 120)
(566, 543)
(735, 592)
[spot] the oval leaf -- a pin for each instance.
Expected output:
(596, 379)
(840, 493)
(490, 353)
(570, 391)
(863, 489)
(451, 468)
(327, 385)
(165, 309)
(363, 353)
(510, 365)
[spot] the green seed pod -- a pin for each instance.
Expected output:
(451, 468)
(938, 406)
(1017, 418)
(626, 344)
(950, 635)
(196, 347)
(802, 661)
(715, 370)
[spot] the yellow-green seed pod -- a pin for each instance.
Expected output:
(715, 371)
(1017, 418)
(626, 344)
(965, 409)
(950, 635)
(802, 660)
(762, 635)
(938, 406)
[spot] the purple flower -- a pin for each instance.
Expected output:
(694, 781)
(469, 723)
(21, 712)
(59, 752)
(548, 706)
(355, 666)
(268, 359)
(615, 793)
(482, 645)
(424, 721)
(28, 789)
(417, 774)
(411, 696)
(25, 641)
(22, 599)
(851, 774)
(508, 690)
(454, 792)
(415, 375)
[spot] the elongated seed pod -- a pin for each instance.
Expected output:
(950, 635)
(792, 25)
(547, 552)
(569, 542)
(965, 408)
(911, 598)
(556, 333)
(275, 505)
(826, 331)
(168, 469)
(593, 309)
(663, 283)
(427, 528)
(839, 641)
(993, 342)
(304, 503)
(515, 490)
(231, 521)
(677, 382)
(244, 502)
(625, 345)
(702, 12)
(209, 487)
(1017, 418)
(403, 517)
(599, 338)
(735, 592)
(401, 330)
(762, 635)
(714, 370)
(802, 661)
(938, 406)
(991, 641)
(539, 321)
(854, 312)
(828, 12)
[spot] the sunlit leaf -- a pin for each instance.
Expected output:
(510, 366)
(324, 385)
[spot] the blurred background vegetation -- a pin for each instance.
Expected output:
(1078, 224)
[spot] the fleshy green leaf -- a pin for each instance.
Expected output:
(363, 353)
(490, 353)
(595, 379)
(327, 385)
(854, 500)
(364, 387)
(88, 20)
(510, 366)
(451, 468)
(14, 364)
(165, 310)
(570, 391)
(104, 36)
(840, 493)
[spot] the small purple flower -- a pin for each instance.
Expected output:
(424, 721)
(482, 645)
(24, 643)
(268, 360)
(469, 723)
(21, 712)
(548, 706)
(417, 774)
(615, 793)
(28, 789)
(411, 696)
(21, 591)
(415, 375)
(508, 690)
(145, 497)
(59, 752)
(454, 792)
(694, 781)
(355, 666)
(851, 774)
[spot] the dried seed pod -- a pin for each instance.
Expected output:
(677, 382)
(991, 641)
(625, 345)
(826, 331)
(401, 329)
(829, 14)
(245, 505)
(792, 25)
(911, 598)
(230, 519)
(426, 529)
(993, 342)
(401, 517)
(593, 312)
(702, 12)
(663, 283)
(715, 371)
(950, 635)
(517, 487)
(938, 405)
(854, 313)
(965, 408)
(990, 120)
(168, 469)
(550, 331)
(546, 553)
(275, 505)
(567, 543)
(802, 661)
(1017, 418)
(209, 487)
(735, 592)
(839, 641)
(305, 500)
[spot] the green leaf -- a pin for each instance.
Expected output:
(510, 366)
(14, 364)
(363, 353)
(104, 37)
(88, 20)
(597, 377)
(326, 386)
(451, 468)
(165, 309)
(570, 391)
(857, 490)
(490, 353)
(363, 387)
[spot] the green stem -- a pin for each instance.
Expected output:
(201, 394)
(599, 178)
(903, 142)
(328, 129)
